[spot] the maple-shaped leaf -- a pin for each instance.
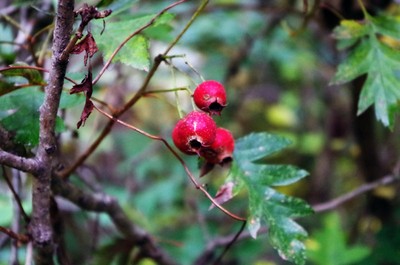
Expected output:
(373, 56)
(267, 205)
(87, 45)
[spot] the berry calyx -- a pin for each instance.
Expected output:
(210, 96)
(194, 132)
(221, 150)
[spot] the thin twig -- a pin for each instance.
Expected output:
(177, 156)
(103, 203)
(136, 32)
(33, 68)
(107, 129)
(230, 244)
(20, 238)
(332, 204)
(16, 196)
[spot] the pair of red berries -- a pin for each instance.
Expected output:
(197, 133)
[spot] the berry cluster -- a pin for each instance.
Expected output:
(197, 133)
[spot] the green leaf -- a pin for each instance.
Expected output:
(33, 76)
(386, 25)
(373, 57)
(326, 252)
(258, 145)
(12, 79)
(68, 101)
(22, 117)
(266, 205)
(135, 52)
(356, 65)
(350, 29)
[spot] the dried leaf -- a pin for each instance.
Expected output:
(87, 109)
(224, 193)
(85, 86)
(87, 45)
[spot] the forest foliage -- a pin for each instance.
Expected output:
(313, 92)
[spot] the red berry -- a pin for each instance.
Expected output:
(210, 96)
(194, 132)
(221, 150)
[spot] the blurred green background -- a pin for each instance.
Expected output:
(276, 68)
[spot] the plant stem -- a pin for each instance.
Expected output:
(136, 32)
(157, 61)
(177, 156)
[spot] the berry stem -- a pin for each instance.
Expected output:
(188, 172)
(194, 70)
(159, 91)
(157, 61)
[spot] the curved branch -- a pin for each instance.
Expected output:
(321, 207)
(177, 156)
(103, 203)
(106, 130)
(21, 163)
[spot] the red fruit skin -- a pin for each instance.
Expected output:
(194, 132)
(221, 150)
(210, 96)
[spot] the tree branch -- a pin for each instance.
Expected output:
(20, 163)
(326, 206)
(157, 61)
(40, 227)
(103, 203)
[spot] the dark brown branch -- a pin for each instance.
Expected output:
(102, 203)
(16, 196)
(40, 227)
(20, 238)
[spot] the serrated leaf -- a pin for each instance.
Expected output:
(356, 65)
(266, 205)
(338, 253)
(135, 52)
(386, 25)
(258, 145)
(350, 29)
(273, 175)
(380, 62)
